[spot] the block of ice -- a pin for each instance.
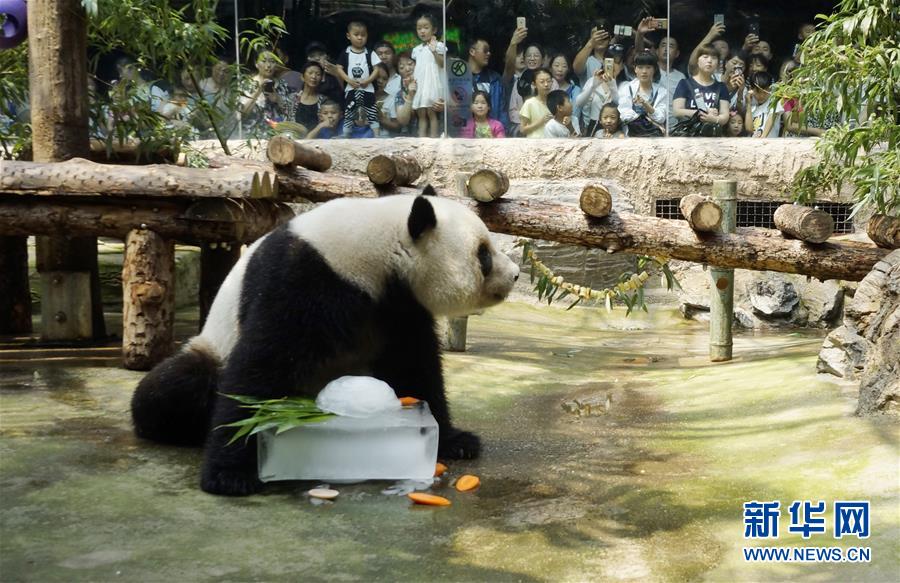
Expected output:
(353, 396)
(393, 445)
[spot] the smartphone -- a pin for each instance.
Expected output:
(661, 23)
(738, 70)
(622, 30)
(609, 65)
(601, 24)
(719, 19)
(520, 22)
(753, 27)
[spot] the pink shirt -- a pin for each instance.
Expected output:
(497, 130)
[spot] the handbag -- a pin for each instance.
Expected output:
(643, 127)
(694, 127)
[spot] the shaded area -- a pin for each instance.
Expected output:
(650, 490)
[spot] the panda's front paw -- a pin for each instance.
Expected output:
(459, 445)
(230, 482)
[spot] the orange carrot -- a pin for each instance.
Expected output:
(406, 401)
(428, 499)
(467, 483)
(439, 469)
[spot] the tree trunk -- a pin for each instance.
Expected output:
(216, 260)
(283, 151)
(884, 231)
(747, 248)
(15, 295)
(148, 311)
(596, 201)
(57, 65)
(701, 213)
(487, 185)
(79, 176)
(395, 170)
(804, 223)
(211, 220)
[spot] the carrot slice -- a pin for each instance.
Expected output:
(428, 499)
(439, 469)
(406, 401)
(467, 482)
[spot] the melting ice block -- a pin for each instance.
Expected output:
(390, 445)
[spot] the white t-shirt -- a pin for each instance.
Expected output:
(554, 129)
(761, 113)
(393, 85)
(356, 68)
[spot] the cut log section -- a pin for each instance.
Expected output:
(487, 185)
(884, 231)
(284, 151)
(148, 310)
(702, 214)
(804, 223)
(83, 177)
(396, 170)
(596, 201)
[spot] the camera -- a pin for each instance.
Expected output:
(616, 50)
(622, 30)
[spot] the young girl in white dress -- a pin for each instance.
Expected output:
(429, 75)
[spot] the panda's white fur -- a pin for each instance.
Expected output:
(439, 269)
(351, 287)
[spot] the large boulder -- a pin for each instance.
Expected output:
(773, 297)
(843, 353)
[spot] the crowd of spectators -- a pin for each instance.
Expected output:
(631, 84)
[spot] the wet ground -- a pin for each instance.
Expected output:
(650, 489)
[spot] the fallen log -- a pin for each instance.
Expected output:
(701, 213)
(284, 151)
(212, 220)
(804, 223)
(487, 185)
(747, 248)
(83, 177)
(396, 170)
(595, 201)
(884, 231)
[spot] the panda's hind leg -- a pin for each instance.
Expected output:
(173, 402)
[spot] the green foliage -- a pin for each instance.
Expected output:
(279, 414)
(15, 132)
(851, 68)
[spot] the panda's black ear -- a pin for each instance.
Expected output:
(421, 218)
(428, 191)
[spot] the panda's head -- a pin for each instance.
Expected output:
(453, 268)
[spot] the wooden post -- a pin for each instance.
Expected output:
(487, 185)
(216, 260)
(721, 304)
(456, 334)
(284, 151)
(701, 213)
(57, 65)
(804, 223)
(394, 170)
(595, 201)
(884, 231)
(148, 297)
(15, 295)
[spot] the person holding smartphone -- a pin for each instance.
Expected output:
(701, 94)
(590, 58)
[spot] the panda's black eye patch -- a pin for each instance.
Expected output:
(485, 259)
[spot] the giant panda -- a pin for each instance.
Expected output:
(350, 288)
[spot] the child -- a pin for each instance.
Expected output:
(534, 112)
(358, 71)
(429, 58)
(560, 105)
(329, 114)
(361, 127)
(763, 117)
(735, 127)
(610, 125)
(481, 125)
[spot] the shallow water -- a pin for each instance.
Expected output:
(649, 490)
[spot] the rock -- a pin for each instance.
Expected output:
(822, 301)
(744, 319)
(879, 390)
(843, 353)
(773, 297)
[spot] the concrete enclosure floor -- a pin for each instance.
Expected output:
(650, 489)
